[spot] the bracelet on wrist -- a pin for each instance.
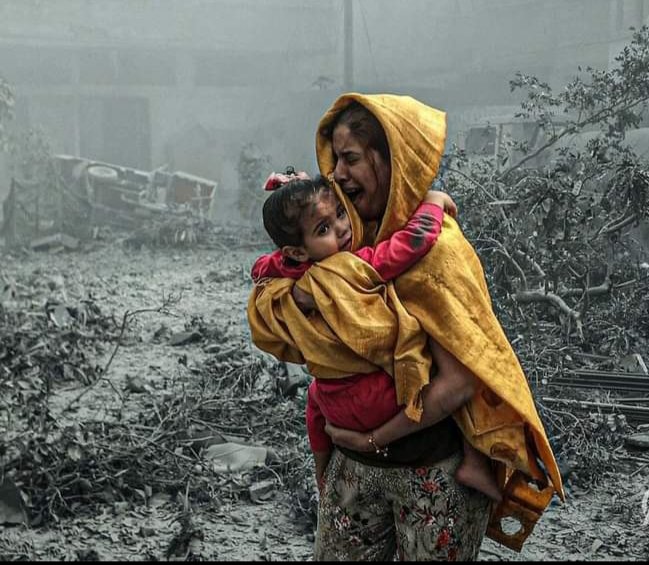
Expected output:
(378, 450)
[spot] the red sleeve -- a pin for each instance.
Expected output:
(315, 423)
(405, 247)
(273, 265)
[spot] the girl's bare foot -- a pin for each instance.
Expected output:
(475, 471)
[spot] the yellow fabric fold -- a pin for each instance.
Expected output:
(278, 326)
(362, 327)
(368, 316)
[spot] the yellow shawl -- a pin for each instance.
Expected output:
(361, 327)
(447, 294)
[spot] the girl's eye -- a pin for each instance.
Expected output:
(323, 229)
(341, 211)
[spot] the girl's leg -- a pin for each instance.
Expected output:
(355, 521)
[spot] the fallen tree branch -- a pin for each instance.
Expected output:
(535, 265)
(500, 248)
(616, 225)
(605, 288)
(598, 290)
(528, 296)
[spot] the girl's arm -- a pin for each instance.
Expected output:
(272, 265)
(452, 387)
(395, 255)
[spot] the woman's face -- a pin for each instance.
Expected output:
(362, 174)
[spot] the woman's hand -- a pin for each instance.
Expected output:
(452, 387)
(303, 300)
(356, 441)
(443, 200)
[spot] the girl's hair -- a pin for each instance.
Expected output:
(363, 125)
(283, 209)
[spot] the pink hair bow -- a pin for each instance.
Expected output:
(275, 180)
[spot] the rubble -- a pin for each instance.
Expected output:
(81, 195)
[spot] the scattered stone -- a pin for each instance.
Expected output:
(147, 531)
(262, 491)
(135, 384)
(183, 338)
(634, 363)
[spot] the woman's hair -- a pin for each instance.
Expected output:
(363, 125)
(283, 209)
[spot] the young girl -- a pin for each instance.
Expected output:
(308, 223)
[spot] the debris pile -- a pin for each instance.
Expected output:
(76, 196)
(225, 433)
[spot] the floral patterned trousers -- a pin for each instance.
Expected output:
(371, 513)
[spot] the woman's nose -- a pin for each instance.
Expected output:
(340, 172)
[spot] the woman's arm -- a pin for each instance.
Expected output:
(452, 387)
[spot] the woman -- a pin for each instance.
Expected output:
(383, 152)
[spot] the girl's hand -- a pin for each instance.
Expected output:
(357, 441)
(443, 200)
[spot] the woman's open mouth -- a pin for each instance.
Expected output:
(353, 193)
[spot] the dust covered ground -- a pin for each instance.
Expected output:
(137, 374)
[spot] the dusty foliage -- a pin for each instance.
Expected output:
(39, 351)
(66, 465)
(585, 446)
(64, 469)
(556, 224)
(42, 349)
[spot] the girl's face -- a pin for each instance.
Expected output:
(362, 174)
(326, 228)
